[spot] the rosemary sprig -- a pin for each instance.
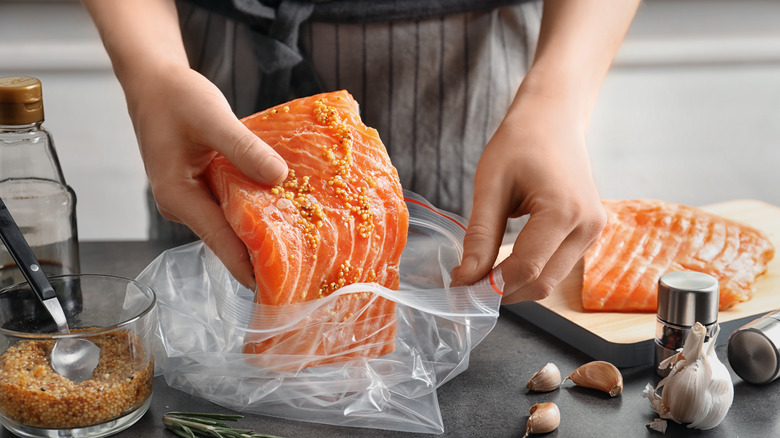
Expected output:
(205, 425)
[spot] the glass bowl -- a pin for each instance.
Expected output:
(116, 314)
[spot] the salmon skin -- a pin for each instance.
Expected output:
(644, 239)
(339, 218)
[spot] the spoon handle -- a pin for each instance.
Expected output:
(23, 255)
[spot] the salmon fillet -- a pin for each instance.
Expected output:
(338, 219)
(644, 239)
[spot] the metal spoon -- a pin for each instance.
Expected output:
(72, 358)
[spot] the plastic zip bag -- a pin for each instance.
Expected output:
(205, 315)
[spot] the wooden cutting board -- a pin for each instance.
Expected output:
(626, 339)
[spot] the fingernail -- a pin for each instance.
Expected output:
(274, 168)
(250, 284)
(467, 266)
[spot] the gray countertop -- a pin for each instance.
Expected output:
(488, 399)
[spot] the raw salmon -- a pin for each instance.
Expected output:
(644, 239)
(338, 219)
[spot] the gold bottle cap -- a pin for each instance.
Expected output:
(21, 100)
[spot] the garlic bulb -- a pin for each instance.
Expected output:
(698, 389)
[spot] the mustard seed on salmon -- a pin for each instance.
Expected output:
(339, 218)
(33, 394)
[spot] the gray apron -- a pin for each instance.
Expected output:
(436, 89)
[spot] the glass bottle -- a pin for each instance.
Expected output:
(32, 184)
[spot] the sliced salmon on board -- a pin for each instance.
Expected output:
(338, 219)
(644, 239)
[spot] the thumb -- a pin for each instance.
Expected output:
(481, 244)
(251, 155)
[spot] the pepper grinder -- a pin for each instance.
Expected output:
(684, 298)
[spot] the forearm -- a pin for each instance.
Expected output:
(142, 37)
(577, 43)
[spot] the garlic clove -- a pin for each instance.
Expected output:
(545, 417)
(598, 375)
(545, 380)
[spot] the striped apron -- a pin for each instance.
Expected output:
(435, 89)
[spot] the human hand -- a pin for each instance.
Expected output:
(536, 164)
(181, 121)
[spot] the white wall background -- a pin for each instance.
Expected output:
(690, 111)
(85, 112)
